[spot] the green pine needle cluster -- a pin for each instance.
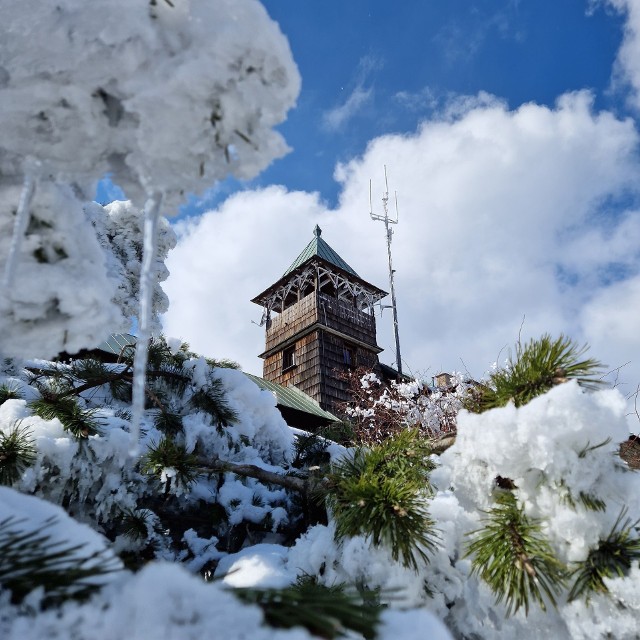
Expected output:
(89, 370)
(212, 400)
(161, 355)
(29, 559)
(82, 423)
(536, 368)
(9, 392)
(589, 501)
(513, 557)
(17, 452)
(310, 450)
(136, 523)
(168, 454)
(610, 559)
(382, 493)
(326, 612)
(169, 423)
(223, 363)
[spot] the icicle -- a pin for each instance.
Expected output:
(32, 169)
(151, 215)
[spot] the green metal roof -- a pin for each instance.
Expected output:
(292, 397)
(118, 342)
(318, 247)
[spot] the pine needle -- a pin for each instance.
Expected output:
(17, 452)
(513, 557)
(610, 559)
(382, 493)
(30, 559)
(169, 423)
(326, 612)
(9, 392)
(536, 368)
(82, 423)
(212, 400)
(168, 454)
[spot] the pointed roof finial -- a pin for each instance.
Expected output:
(319, 248)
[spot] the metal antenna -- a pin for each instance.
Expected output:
(387, 221)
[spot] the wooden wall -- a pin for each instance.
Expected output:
(346, 318)
(292, 320)
(305, 374)
(319, 355)
(334, 389)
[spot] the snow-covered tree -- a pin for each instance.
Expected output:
(78, 273)
(166, 96)
(218, 471)
(525, 527)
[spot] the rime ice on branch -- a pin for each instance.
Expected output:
(167, 97)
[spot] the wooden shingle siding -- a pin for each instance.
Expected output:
(324, 333)
(343, 316)
(292, 320)
(319, 354)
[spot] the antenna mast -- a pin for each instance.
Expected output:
(387, 221)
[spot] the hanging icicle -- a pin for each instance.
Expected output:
(151, 215)
(32, 170)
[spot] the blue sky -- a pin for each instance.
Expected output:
(370, 68)
(510, 132)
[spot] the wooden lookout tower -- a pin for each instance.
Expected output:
(320, 322)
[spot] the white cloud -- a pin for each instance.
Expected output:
(628, 60)
(336, 118)
(424, 99)
(228, 256)
(460, 40)
(494, 205)
(610, 322)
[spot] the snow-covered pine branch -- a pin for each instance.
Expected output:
(167, 97)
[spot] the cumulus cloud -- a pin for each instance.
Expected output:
(225, 258)
(610, 321)
(505, 215)
(628, 60)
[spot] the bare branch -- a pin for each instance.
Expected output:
(300, 485)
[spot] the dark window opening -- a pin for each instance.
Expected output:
(288, 358)
(349, 356)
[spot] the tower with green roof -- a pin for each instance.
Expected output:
(320, 323)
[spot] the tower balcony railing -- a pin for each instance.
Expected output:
(327, 310)
(336, 313)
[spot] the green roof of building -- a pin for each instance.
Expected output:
(293, 398)
(290, 397)
(319, 248)
(119, 344)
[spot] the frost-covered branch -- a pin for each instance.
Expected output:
(300, 485)
(379, 410)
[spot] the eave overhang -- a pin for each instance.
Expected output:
(263, 298)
